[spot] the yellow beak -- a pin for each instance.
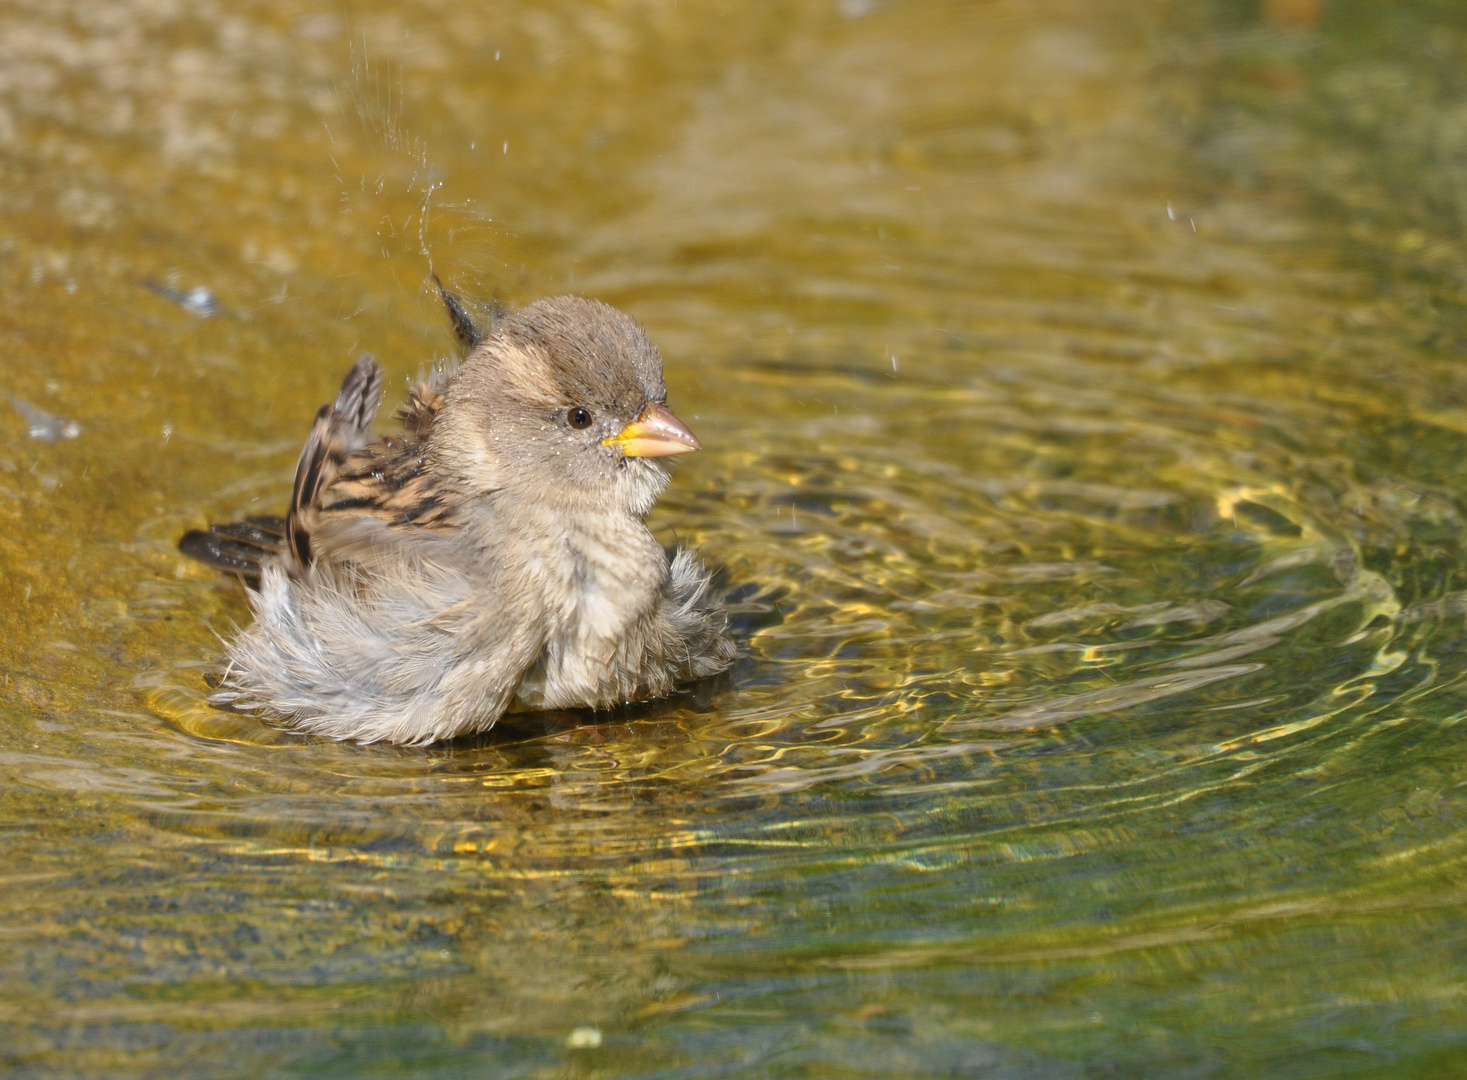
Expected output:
(655, 433)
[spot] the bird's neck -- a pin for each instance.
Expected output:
(584, 553)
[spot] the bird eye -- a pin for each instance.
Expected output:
(579, 417)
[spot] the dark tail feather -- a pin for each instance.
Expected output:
(464, 327)
(241, 547)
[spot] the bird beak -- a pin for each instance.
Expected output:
(655, 433)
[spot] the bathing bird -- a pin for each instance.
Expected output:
(490, 553)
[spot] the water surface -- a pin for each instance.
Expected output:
(1082, 387)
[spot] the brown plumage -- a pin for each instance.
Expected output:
(340, 472)
(491, 550)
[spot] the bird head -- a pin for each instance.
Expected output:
(564, 402)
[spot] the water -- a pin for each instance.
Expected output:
(1083, 400)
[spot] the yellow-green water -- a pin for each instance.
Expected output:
(1084, 388)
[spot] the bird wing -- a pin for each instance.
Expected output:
(340, 430)
(390, 479)
(351, 493)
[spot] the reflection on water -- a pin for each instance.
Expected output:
(1082, 393)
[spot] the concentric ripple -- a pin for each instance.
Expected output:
(1085, 465)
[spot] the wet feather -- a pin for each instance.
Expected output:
(490, 552)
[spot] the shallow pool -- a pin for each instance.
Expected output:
(1084, 394)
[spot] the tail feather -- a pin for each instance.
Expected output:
(241, 547)
(464, 327)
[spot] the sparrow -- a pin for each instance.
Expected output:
(491, 554)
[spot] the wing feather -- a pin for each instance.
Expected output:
(342, 480)
(340, 430)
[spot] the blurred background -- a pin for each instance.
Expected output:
(1083, 393)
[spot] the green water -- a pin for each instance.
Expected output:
(1084, 394)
